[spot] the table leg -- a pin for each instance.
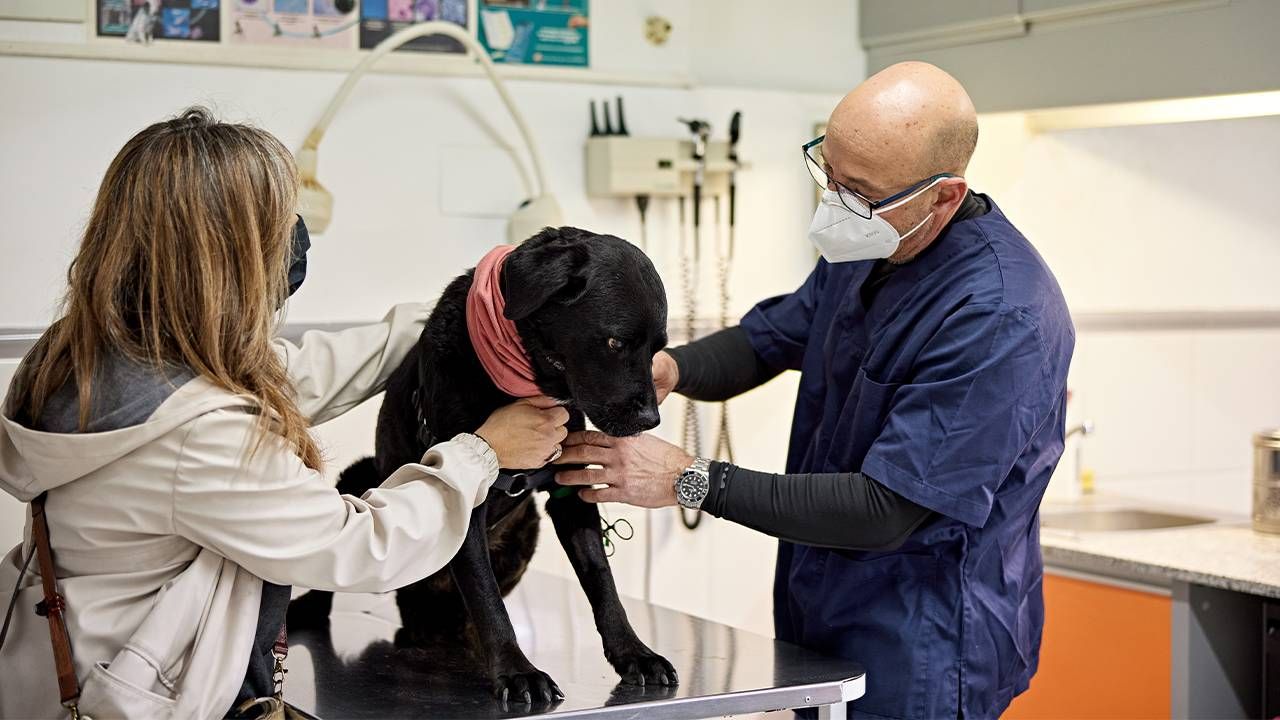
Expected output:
(834, 711)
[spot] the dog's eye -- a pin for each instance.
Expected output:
(615, 344)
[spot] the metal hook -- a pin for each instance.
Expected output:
(520, 480)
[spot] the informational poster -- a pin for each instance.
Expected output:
(306, 23)
(381, 18)
(535, 32)
(146, 20)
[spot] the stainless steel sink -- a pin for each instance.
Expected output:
(1112, 519)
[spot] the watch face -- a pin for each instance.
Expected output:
(692, 489)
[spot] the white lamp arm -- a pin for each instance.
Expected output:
(412, 32)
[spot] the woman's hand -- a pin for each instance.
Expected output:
(665, 375)
(639, 470)
(527, 433)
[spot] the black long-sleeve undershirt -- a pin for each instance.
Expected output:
(842, 510)
(720, 366)
(849, 511)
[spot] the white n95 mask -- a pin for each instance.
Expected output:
(842, 235)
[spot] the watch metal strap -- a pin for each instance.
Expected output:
(702, 465)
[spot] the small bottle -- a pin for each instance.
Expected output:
(1086, 481)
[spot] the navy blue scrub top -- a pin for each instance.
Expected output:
(950, 389)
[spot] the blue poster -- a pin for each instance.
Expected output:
(380, 18)
(173, 20)
(536, 32)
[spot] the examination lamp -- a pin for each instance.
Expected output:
(316, 203)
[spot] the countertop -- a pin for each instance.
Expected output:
(1225, 554)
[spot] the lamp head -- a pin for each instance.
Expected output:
(315, 203)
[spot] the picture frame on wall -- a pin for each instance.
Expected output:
(536, 32)
(320, 24)
(332, 24)
(381, 18)
(145, 21)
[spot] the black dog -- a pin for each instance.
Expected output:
(591, 312)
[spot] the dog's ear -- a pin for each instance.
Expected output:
(551, 265)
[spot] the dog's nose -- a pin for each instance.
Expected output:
(648, 418)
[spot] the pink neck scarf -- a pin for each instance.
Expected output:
(493, 336)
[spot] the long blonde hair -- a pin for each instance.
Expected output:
(183, 262)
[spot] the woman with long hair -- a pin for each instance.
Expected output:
(167, 430)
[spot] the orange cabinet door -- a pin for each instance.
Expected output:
(1105, 654)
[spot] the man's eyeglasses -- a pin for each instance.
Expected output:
(856, 202)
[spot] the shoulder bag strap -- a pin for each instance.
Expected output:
(54, 608)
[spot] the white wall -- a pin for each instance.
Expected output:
(811, 45)
(1157, 218)
(404, 223)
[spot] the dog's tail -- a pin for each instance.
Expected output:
(311, 610)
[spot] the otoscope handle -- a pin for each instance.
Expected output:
(733, 203)
(697, 207)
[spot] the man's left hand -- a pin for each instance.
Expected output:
(639, 470)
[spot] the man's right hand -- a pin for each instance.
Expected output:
(665, 375)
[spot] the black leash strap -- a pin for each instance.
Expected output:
(425, 436)
(519, 483)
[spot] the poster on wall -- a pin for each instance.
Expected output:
(297, 23)
(535, 32)
(380, 18)
(147, 20)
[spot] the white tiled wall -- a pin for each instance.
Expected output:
(1157, 218)
(1175, 412)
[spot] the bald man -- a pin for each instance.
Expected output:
(933, 345)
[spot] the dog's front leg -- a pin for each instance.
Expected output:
(514, 677)
(577, 525)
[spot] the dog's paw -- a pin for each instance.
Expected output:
(531, 687)
(644, 667)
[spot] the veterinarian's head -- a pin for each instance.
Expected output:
(185, 260)
(592, 311)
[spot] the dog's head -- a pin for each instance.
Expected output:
(591, 312)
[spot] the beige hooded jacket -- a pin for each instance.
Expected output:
(162, 532)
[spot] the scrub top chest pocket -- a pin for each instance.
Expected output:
(860, 419)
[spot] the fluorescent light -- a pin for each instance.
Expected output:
(1156, 112)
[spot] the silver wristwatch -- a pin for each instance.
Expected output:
(693, 484)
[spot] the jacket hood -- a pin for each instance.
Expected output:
(33, 461)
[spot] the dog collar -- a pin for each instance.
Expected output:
(494, 337)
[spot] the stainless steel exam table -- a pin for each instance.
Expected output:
(354, 670)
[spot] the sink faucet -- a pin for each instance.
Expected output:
(1084, 430)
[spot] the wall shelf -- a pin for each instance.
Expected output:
(261, 57)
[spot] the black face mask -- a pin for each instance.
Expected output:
(298, 256)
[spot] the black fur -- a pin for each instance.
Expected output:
(569, 292)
